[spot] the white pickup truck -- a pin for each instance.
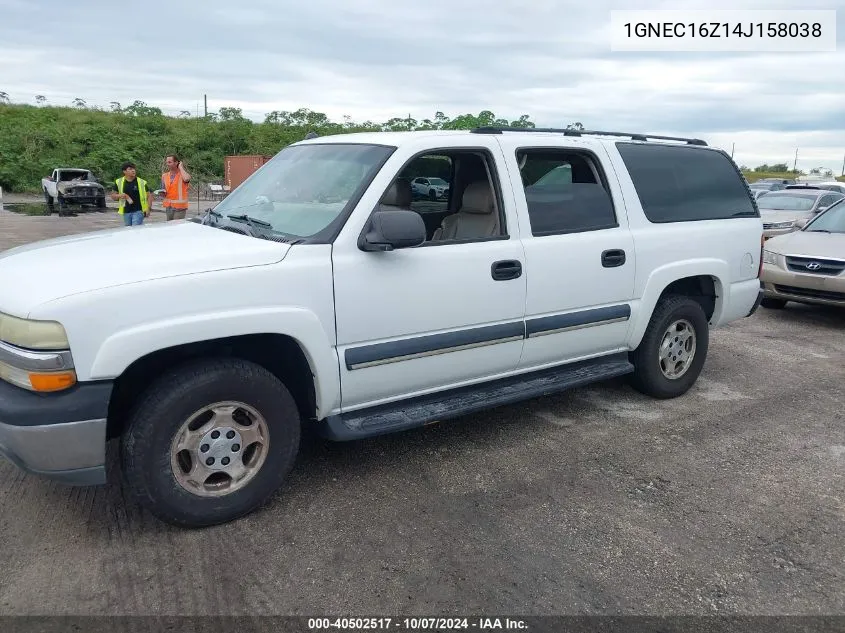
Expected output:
(202, 347)
(66, 186)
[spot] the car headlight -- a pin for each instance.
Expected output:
(32, 334)
(35, 355)
(770, 258)
(781, 225)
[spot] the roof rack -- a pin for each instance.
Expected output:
(493, 129)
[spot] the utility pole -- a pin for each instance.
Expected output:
(205, 99)
(733, 146)
(843, 166)
(795, 163)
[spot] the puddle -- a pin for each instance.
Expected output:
(40, 208)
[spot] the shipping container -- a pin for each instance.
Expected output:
(239, 168)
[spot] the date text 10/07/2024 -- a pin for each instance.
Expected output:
(723, 29)
(417, 624)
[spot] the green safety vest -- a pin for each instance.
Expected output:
(142, 191)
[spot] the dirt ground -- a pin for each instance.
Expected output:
(729, 500)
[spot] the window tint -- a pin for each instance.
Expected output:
(564, 191)
(683, 184)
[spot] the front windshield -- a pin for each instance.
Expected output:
(832, 220)
(305, 187)
(783, 202)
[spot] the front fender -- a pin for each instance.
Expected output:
(662, 277)
(124, 347)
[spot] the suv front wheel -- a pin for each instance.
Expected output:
(670, 356)
(210, 442)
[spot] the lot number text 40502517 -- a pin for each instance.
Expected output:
(417, 624)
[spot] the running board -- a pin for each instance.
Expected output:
(408, 414)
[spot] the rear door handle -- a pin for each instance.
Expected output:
(506, 269)
(613, 258)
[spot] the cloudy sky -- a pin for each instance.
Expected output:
(376, 59)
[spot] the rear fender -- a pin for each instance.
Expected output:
(662, 277)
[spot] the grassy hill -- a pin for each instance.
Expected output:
(36, 139)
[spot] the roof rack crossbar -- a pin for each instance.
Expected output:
(492, 129)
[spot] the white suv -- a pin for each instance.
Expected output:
(203, 347)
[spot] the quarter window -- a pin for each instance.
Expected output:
(677, 183)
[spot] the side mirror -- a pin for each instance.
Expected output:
(389, 230)
(820, 209)
(801, 223)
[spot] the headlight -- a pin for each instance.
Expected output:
(781, 225)
(32, 334)
(35, 355)
(770, 258)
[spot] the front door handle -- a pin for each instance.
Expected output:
(506, 269)
(613, 258)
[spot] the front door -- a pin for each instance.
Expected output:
(444, 314)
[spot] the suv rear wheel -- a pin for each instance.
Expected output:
(210, 442)
(673, 349)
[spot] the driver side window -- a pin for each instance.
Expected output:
(456, 194)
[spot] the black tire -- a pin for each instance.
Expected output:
(49, 199)
(101, 202)
(432, 195)
(648, 378)
(773, 304)
(62, 204)
(169, 403)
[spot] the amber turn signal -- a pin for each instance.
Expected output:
(53, 381)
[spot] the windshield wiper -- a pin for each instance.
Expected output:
(209, 214)
(250, 220)
(258, 228)
(818, 231)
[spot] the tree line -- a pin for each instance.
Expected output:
(36, 139)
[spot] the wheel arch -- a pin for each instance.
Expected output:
(280, 354)
(704, 281)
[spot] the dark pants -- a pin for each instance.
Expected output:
(174, 214)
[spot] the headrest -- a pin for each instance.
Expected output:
(478, 198)
(398, 195)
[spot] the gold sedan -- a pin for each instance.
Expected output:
(807, 266)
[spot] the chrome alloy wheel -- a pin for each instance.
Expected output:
(219, 449)
(677, 349)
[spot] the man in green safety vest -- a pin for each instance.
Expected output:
(133, 198)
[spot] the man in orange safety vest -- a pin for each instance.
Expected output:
(174, 182)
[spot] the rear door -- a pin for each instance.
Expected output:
(579, 252)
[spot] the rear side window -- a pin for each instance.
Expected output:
(565, 191)
(686, 184)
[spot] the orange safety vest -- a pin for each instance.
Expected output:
(176, 191)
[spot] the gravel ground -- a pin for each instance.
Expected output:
(729, 500)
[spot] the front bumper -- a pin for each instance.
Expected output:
(802, 287)
(61, 436)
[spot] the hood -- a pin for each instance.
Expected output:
(78, 182)
(50, 269)
(822, 245)
(767, 215)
